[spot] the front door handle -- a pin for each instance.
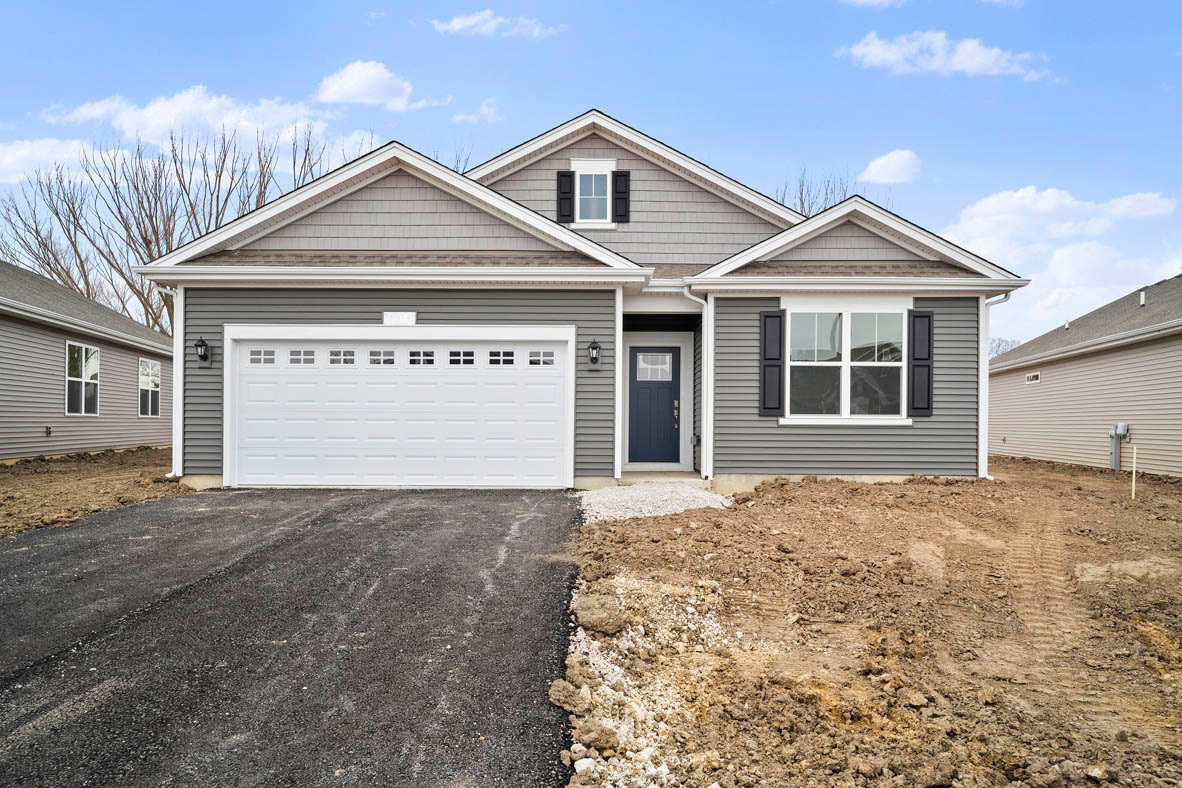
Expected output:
(676, 412)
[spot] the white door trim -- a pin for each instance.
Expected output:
(679, 339)
(235, 333)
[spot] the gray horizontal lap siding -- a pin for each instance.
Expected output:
(672, 220)
(33, 395)
(592, 311)
(945, 443)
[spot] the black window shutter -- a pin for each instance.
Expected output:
(621, 199)
(771, 362)
(919, 363)
(566, 196)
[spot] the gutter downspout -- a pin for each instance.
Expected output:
(983, 418)
(706, 448)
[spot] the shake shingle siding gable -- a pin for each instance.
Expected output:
(591, 311)
(671, 219)
(32, 395)
(746, 442)
(399, 213)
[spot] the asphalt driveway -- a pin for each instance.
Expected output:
(289, 637)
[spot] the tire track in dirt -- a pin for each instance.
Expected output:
(1057, 622)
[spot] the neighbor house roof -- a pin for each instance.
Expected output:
(1119, 322)
(33, 297)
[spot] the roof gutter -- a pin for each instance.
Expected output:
(37, 315)
(1093, 345)
(966, 285)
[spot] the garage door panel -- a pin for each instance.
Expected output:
(393, 423)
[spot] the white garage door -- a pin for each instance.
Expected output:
(376, 413)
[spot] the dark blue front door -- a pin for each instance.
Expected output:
(654, 409)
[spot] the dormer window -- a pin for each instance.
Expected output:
(593, 194)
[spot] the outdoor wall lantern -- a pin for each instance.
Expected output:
(202, 348)
(593, 351)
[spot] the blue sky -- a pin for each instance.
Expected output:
(1042, 135)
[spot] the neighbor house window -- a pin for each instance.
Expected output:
(82, 380)
(149, 387)
(592, 184)
(1033, 377)
(845, 364)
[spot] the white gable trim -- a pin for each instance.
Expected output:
(396, 156)
(852, 209)
(595, 121)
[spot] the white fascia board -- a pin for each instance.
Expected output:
(374, 331)
(1093, 345)
(37, 315)
(194, 274)
(586, 124)
(840, 212)
(394, 151)
(765, 284)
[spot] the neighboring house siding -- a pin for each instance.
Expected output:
(592, 311)
(33, 395)
(399, 213)
(672, 220)
(945, 443)
(1067, 415)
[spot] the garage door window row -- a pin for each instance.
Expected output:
(346, 357)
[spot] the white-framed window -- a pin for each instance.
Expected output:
(82, 380)
(301, 357)
(149, 387)
(422, 358)
(1033, 377)
(461, 358)
(262, 356)
(500, 358)
(381, 357)
(340, 357)
(845, 364)
(593, 202)
(654, 366)
(541, 358)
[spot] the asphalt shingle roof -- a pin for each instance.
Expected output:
(25, 287)
(1163, 303)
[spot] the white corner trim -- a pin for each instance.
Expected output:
(594, 120)
(178, 382)
(845, 421)
(851, 207)
(396, 154)
(620, 361)
(1092, 345)
(708, 389)
(983, 388)
(234, 333)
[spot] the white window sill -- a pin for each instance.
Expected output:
(592, 225)
(845, 421)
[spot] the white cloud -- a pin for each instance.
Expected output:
(21, 157)
(487, 23)
(898, 166)
(933, 52)
(370, 82)
(194, 109)
(874, 3)
(1051, 236)
(487, 113)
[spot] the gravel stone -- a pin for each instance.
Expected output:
(647, 499)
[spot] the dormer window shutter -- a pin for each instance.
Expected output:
(565, 210)
(621, 197)
(919, 363)
(771, 362)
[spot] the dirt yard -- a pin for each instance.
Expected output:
(1022, 632)
(58, 491)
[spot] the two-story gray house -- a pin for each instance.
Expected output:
(76, 376)
(587, 304)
